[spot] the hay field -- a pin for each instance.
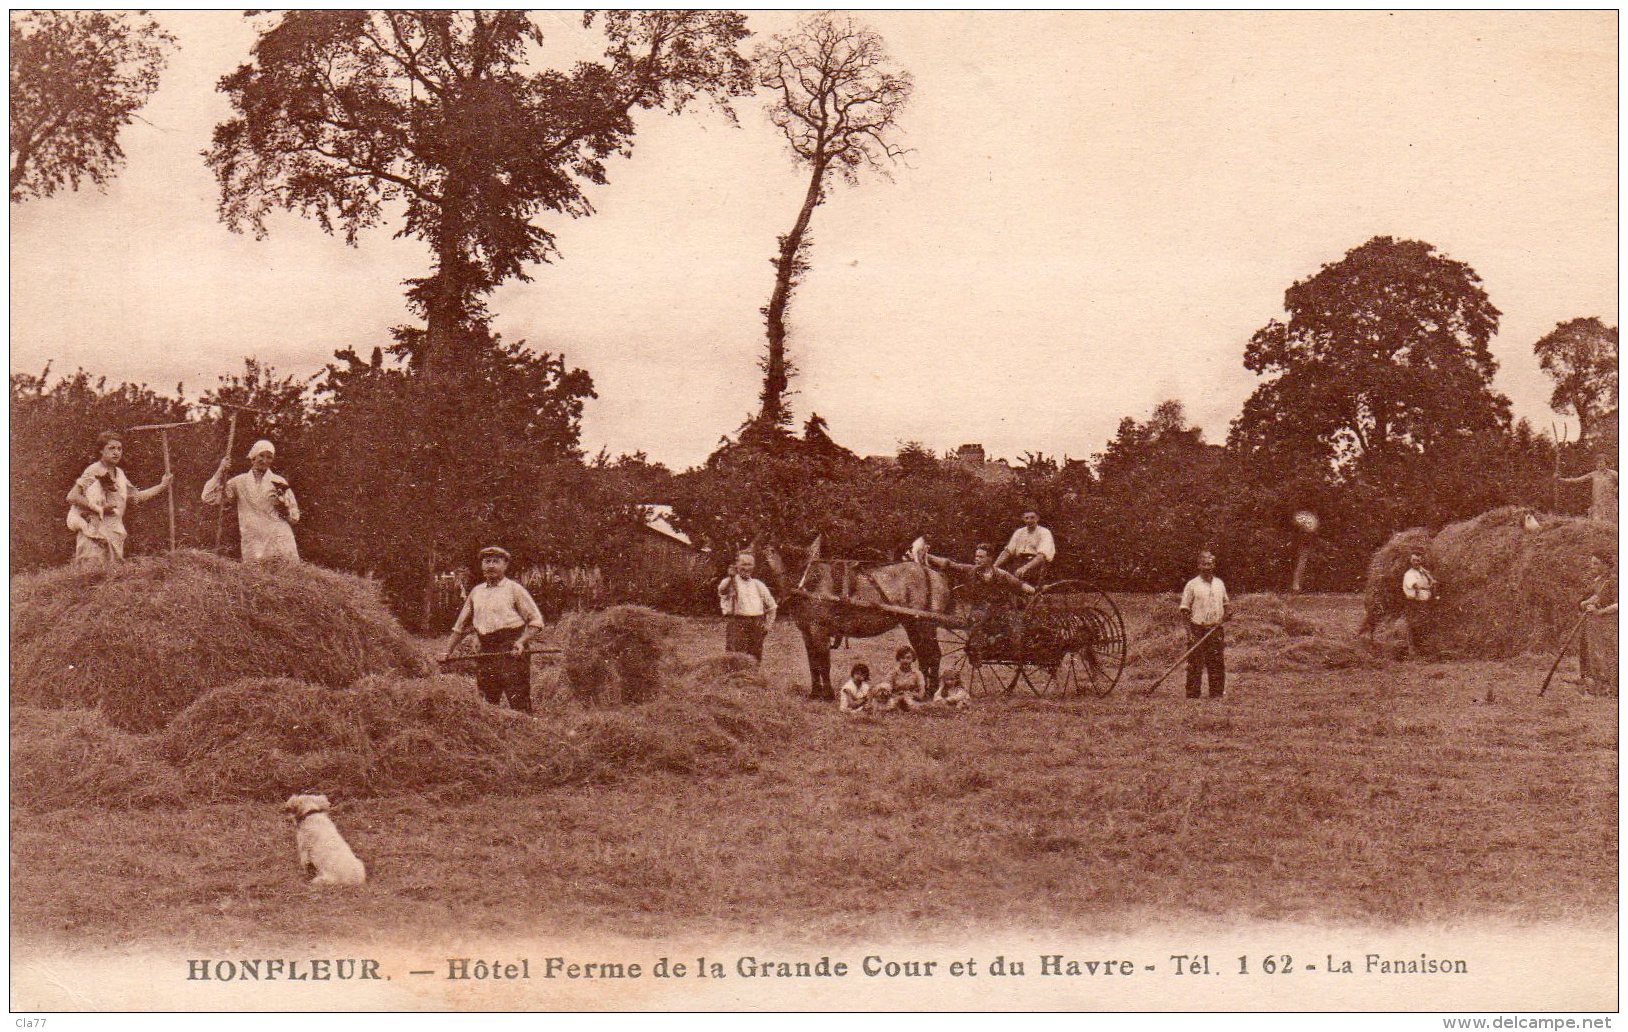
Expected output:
(1382, 795)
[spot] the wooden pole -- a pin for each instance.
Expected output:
(165, 437)
(1554, 487)
(1565, 647)
(220, 512)
(1183, 659)
(445, 660)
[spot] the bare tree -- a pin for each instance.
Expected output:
(77, 78)
(837, 101)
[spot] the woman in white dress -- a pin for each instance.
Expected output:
(266, 507)
(98, 499)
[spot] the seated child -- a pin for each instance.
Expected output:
(855, 696)
(951, 692)
(907, 680)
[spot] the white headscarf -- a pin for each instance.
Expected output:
(262, 446)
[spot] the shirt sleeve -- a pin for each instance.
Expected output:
(1187, 597)
(1048, 546)
(217, 489)
(1011, 582)
(526, 606)
(465, 613)
(293, 505)
(768, 598)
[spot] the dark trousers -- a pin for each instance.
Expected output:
(500, 676)
(1420, 615)
(1209, 658)
(745, 634)
(1031, 569)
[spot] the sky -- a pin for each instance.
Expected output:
(1097, 212)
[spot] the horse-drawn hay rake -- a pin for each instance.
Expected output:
(1068, 638)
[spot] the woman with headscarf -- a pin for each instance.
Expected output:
(266, 508)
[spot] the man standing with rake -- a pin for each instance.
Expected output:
(1204, 603)
(504, 619)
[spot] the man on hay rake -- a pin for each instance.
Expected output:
(991, 595)
(1032, 547)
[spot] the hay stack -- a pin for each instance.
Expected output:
(718, 717)
(144, 639)
(1265, 633)
(620, 655)
(71, 758)
(1504, 590)
(269, 738)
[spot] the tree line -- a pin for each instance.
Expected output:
(1376, 408)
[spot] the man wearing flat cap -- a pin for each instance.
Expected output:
(266, 507)
(504, 618)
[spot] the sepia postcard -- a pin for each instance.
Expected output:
(703, 510)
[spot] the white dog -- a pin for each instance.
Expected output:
(323, 851)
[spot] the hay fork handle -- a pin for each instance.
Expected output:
(446, 660)
(1565, 647)
(1206, 637)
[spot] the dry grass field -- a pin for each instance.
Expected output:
(1379, 796)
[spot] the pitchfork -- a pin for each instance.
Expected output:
(231, 436)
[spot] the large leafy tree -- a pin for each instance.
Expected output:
(414, 477)
(1384, 350)
(837, 99)
(1580, 356)
(439, 122)
(77, 79)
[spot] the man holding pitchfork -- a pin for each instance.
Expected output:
(504, 618)
(1205, 605)
(748, 607)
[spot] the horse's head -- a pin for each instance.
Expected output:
(780, 570)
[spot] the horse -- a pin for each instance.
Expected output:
(809, 601)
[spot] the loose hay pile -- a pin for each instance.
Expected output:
(271, 737)
(268, 738)
(620, 655)
(70, 758)
(1264, 633)
(1504, 590)
(146, 638)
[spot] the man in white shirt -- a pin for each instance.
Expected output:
(505, 619)
(1205, 604)
(748, 607)
(266, 507)
(1032, 547)
(1418, 601)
